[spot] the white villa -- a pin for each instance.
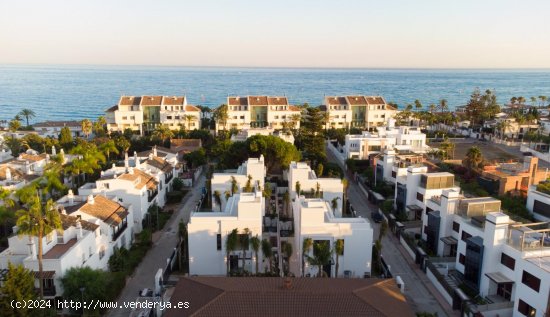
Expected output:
(538, 203)
(143, 114)
(52, 129)
(244, 134)
(366, 112)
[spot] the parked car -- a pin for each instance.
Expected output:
(376, 217)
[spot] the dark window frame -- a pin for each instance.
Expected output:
(507, 261)
(456, 227)
(530, 280)
(526, 309)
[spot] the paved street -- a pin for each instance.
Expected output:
(420, 293)
(162, 248)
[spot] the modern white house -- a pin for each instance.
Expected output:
(244, 134)
(507, 262)
(208, 233)
(365, 112)
(141, 183)
(92, 227)
(314, 218)
(260, 112)
(391, 164)
(17, 172)
(328, 189)
(52, 129)
(144, 113)
(418, 186)
(222, 183)
(538, 203)
(402, 138)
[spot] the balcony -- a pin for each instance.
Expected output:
(151, 195)
(120, 230)
(48, 292)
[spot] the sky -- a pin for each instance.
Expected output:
(257, 33)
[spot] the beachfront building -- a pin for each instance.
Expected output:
(52, 129)
(141, 183)
(301, 176)
(230, 182)
(402, 138)
(314, 218)
(513, 178)
(208, 232)
(417, 186)
(507, 263)
(243, 135)
(507, 127)
(364, 112)
(260, 112)
(17, 172)
(538, 202)
(143, 114)
(92, 227)
(391, 164)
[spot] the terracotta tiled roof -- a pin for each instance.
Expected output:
(237, 101)
(32, 157)
(58, 250)
(45, 274)
(173, 101)
(145, 180)
(129, 101)
(192, 108)
(185, 145)
(277, 101)
(106, 210)
(160, 163)
(223, 296)
(376, 100)
(112, 109)
(15, 174)
(294, 108)
(356, 100)
(68, 221)
(337, 101)
(53, 124)
(257, 100)
(151, 100)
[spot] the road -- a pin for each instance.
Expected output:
(420, 293)
(163, 246)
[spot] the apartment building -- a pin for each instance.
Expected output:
(208, 232)
(365, 112)
(513, 178)
(230, 182)
(538, 202)
(507, 262)
(391, 164)
(144, 113)
(418, 186)
(314, 218)
(260, 112)
(402, 138)
(301, 175)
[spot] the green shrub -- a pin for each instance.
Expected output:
(174, 197)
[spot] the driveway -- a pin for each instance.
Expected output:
(161, 250)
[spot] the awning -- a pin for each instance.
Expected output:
(45, 274)
(414, 208)
(449, 240)
(499, 278)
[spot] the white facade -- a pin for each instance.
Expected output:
(244, 134)
(315, 219)
(52, 129)
(390, 165)
(401, 138)
(514, 261)
(538, 203)
(260, 112)
(208, 232)
(358, 111)
(222, 182)
(330, 188)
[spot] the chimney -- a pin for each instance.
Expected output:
(79, 229)
(54, 152)
(70, 196)
(90, 199)
(32, 249)
(61, 152)
(63, 211)
(136, 160)
(126, 159)
(8, 174)
(113, 166)
(131, 170)
(155, 150)
(151, 155)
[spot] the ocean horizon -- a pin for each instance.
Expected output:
(66, 92)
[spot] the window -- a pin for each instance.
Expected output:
(525, 309)
(177, 117)
(530, 280)
(461, 259)
(218, 242)
(169, 117)
(541, 208)
(456, 226)
(125, 118)
(393, 174)
(242, 117)
(132, 117)
(420, 197)
(507, 261)
(465, 235)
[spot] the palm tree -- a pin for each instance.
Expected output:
(334, 203)
(6, 209)
(294, 119)
(221, 115)
(86, 126)
(163, 132)
(306, 247)
(326, 119)
(533, 101)
(244, 242)
(99, 125)
(248, 187)
(267, 251)
(267, 195)
(218, 198)
(339, 251)
(255, 243)
(234, 185)
(473, 159)
(88, 161)
(227, 195)
(298, 188)
(543, 100)
(14, 125)
(28, 114)
(513, 100)
(230, 246)
(37, 220)
(417, 105)
(107, 148)
(287, 251)
(443, 105)
(122, 144)
(322, 255)
(189, 118)
(432, 108)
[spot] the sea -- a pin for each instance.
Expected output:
(75, 92)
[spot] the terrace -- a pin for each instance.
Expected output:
(530, 237)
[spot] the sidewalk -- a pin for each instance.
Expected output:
(162, 248)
